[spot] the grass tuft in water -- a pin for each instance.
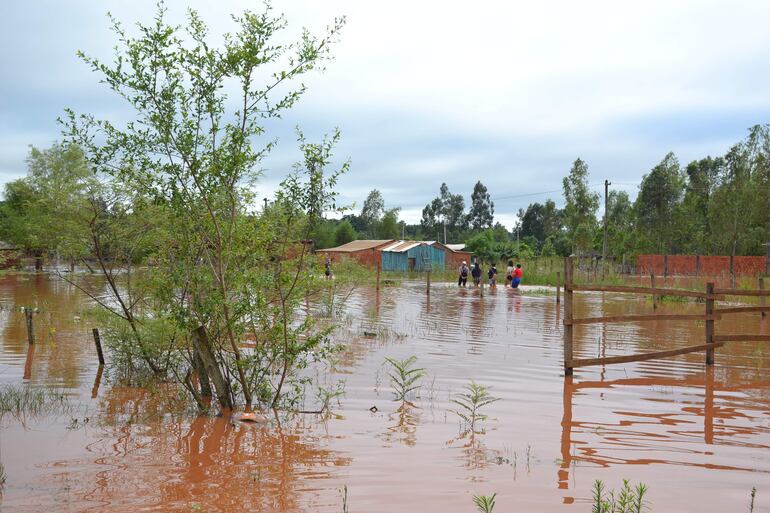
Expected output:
(3, 478)
(628, 500)
(23, 401)
(404, 377)
(471, 401)
(485, 503)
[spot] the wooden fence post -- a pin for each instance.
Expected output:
(427, 288)
(732, 271)
(697, 265)
(710, 323)
(558, 281)
(30, 326)
(98, 342)
(654, 297)
(568, 316)
(481, 291)
(762, 298)
(665, 266)
(379, 271)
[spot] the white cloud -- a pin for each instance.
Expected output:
(425, 92)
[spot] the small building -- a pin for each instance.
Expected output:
(410, 255)
(365, 252)
(455, 255)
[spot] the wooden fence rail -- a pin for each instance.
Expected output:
(711, 314)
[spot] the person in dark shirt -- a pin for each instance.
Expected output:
(463, 275)
(476, 273)
(492, 274)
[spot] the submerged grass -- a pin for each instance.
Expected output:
(22, 401)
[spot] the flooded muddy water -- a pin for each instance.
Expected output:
(698, 437)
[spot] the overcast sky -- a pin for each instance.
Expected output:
(509, 93)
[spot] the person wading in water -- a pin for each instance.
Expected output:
(492, 276)
(476, 273)
(461, 281)
(516, 276)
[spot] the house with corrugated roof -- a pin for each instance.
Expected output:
(365, 252)
(410, 255)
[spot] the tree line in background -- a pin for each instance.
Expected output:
(715, 205)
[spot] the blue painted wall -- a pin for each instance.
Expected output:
(424, 257)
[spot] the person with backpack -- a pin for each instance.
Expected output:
(476, 273)
(463, 275)
(492, 274)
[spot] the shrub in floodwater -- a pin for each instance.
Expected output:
(628, 500)
(753, 496)
(471, 401)
(485, 503)
(3, 477)
(21, 401)
(404, 377)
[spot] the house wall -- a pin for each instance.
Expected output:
(392, 261)
(422, 253)
(367, 257)
(454, 259)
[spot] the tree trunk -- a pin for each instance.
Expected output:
(200, 371)
(202, 346)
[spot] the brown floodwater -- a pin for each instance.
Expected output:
(698, 437)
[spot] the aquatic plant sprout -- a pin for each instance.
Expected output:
(404, 377)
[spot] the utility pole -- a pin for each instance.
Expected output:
(606, 220)
(444, 231)
(265, 204)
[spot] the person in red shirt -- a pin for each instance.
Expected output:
(516, 276)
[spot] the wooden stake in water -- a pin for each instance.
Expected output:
(379, 271)
(427, 288)
(98, 343)
(654, 297)
(762, 298)
(30, 326)
(567, 316)
(558, 282)
(710, 323)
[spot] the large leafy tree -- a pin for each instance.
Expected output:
(372, 211)
(482, 211)
(388, 227)
(580, 205)
(739, 210)
(186, 166)
(446, 212)
(657, 204)
(46, 210)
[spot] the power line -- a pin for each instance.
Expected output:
(590, 186)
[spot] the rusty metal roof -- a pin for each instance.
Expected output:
(358, 245)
